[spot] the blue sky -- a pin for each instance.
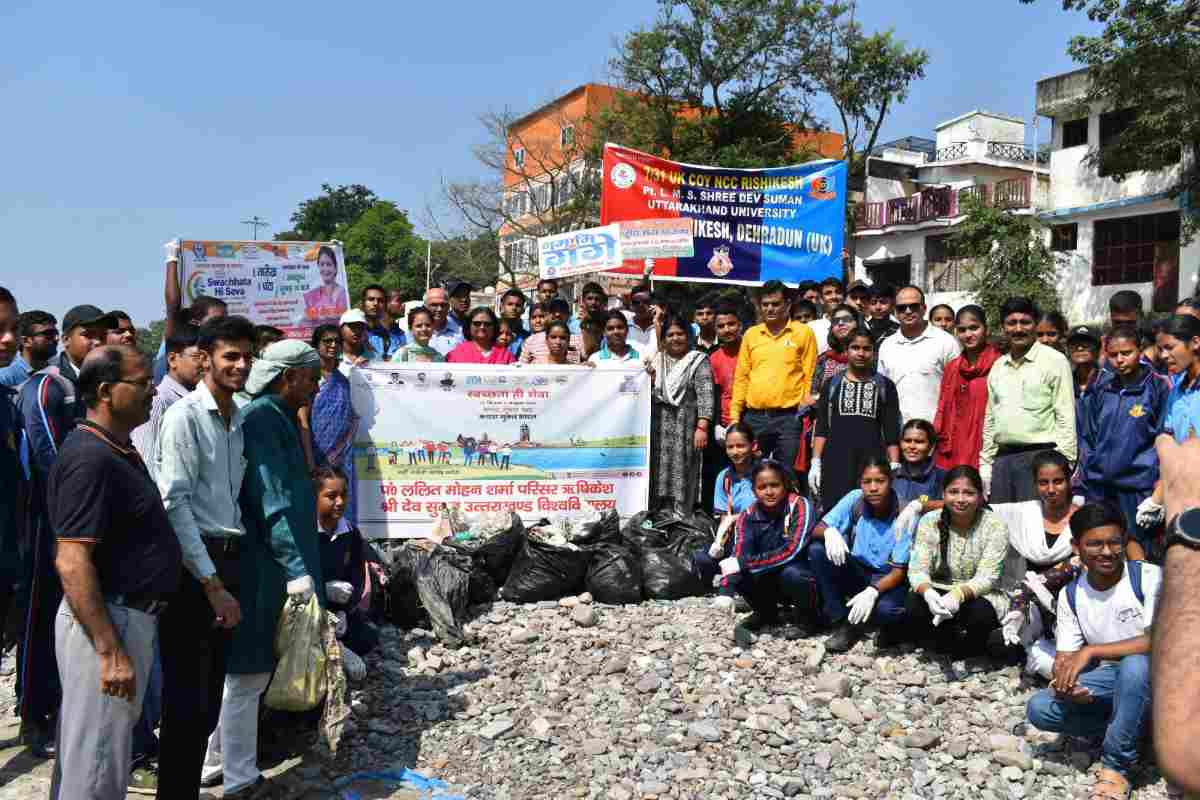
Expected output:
(127, 124)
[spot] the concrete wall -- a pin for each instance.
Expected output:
(1074, 183)
(987, 126)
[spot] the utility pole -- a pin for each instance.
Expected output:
(256, 222)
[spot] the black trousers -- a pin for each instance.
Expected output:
(1012, 474)
(777, 433)
(963, 635)
(193, 665)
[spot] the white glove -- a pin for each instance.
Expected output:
(716, 549)
(301, 588)
(934, 601)
(1037, 584)
(730, 566)
(951, 603)
(1011, 627)
(339, 591)
(356, 668)
(814, 477)
(938, 619)
(862, 604)
(985, 474)
(895, 465)
(171, 250)
(339, 628)
(908, 517)
(719, 433)
(835, 546)
(1149, 513)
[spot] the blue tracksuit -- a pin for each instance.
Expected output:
(1119, 427)
(1183, 408)
(910, 482)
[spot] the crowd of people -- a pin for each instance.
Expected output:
(871, 463)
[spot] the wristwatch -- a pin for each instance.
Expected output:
(1185, 529)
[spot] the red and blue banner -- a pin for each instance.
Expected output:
(749, 226)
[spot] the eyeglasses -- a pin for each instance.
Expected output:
(908, 308)
(1116, 545)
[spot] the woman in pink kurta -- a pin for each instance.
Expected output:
(480, 346)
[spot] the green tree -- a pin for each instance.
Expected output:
(319, 218)
(381, 247)
(723, 82)
(863, 76)
(149, 338)
(1145, 60)
(1009, 257)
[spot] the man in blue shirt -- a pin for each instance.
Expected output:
(865, 581)
(447, 334)
(381, 340)
(512, 308)
(594, 300)
(37, 342)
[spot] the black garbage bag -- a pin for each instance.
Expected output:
(614, 575)
(433, 586)
(694, 526)
(544, 571)
(638, 537)
(606, 530)
(667, 574)
(495, 554)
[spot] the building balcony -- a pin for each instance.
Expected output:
(985, 150)
(941, 203)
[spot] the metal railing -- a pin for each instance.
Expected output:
(940, 202)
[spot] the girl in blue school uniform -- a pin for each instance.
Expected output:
(917, 482)
(734, 494)
(1126, 411)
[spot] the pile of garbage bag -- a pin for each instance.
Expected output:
(476, 559)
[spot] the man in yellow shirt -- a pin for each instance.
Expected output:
(774, 374)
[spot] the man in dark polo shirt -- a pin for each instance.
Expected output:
(119, 561)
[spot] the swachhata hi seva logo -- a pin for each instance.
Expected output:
(623, 175)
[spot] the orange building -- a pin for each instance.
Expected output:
(546, 167)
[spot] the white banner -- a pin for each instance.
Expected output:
(539, 440)
(577, 252)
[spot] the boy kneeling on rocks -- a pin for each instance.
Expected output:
(1101, 679)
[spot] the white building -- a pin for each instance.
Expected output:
(914, 196)
(1109, 235)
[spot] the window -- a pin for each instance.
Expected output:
(519, 255)
(1127, 249)
(1063, 238)
(945, 269)
(1075, 132)
(1112, 125)
(566, 136)
(519, 157)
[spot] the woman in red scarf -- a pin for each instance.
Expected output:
(963, 397)
(829, 364)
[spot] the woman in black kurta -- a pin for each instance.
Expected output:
(857, 414)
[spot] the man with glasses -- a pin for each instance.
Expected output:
(447, 333)
(185, 367)
(119, 562)
(124, 332)
(643, 333)
(49, 411)
(37, 342)
(10, 476)
(1101, 681)
(915, 357)
(774, 373)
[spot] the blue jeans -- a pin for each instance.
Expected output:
(145, 743)
(1120, 710)
(838, 584)
(791, 583)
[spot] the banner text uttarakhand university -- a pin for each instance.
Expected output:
(539, 441)
(749, 225)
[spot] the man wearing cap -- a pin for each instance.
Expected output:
(280, 558)
(447, 334)
(353, 329)
(49, 411)
(460, 300)
(856, 297)
(201, 465)
(382, 340)
(1084, 344)
(119, 562)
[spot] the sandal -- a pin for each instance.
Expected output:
(1110, 785)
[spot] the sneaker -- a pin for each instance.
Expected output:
(844, 637)
(144, 779)
(262, 789)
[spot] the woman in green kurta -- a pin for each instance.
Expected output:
(281, 554)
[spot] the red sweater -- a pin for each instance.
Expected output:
(962, 403)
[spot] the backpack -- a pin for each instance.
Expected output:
(1135, 583)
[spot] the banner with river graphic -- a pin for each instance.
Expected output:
(539, 440)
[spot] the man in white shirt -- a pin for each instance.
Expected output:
(185, 365)
(200, 470)
(643, 330)
(1101, 682)
(915, 357)
(833, 291)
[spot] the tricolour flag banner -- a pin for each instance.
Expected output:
(749, 226)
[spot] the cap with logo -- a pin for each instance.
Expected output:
(1084, 333)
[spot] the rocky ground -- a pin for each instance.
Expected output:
(569, 699)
